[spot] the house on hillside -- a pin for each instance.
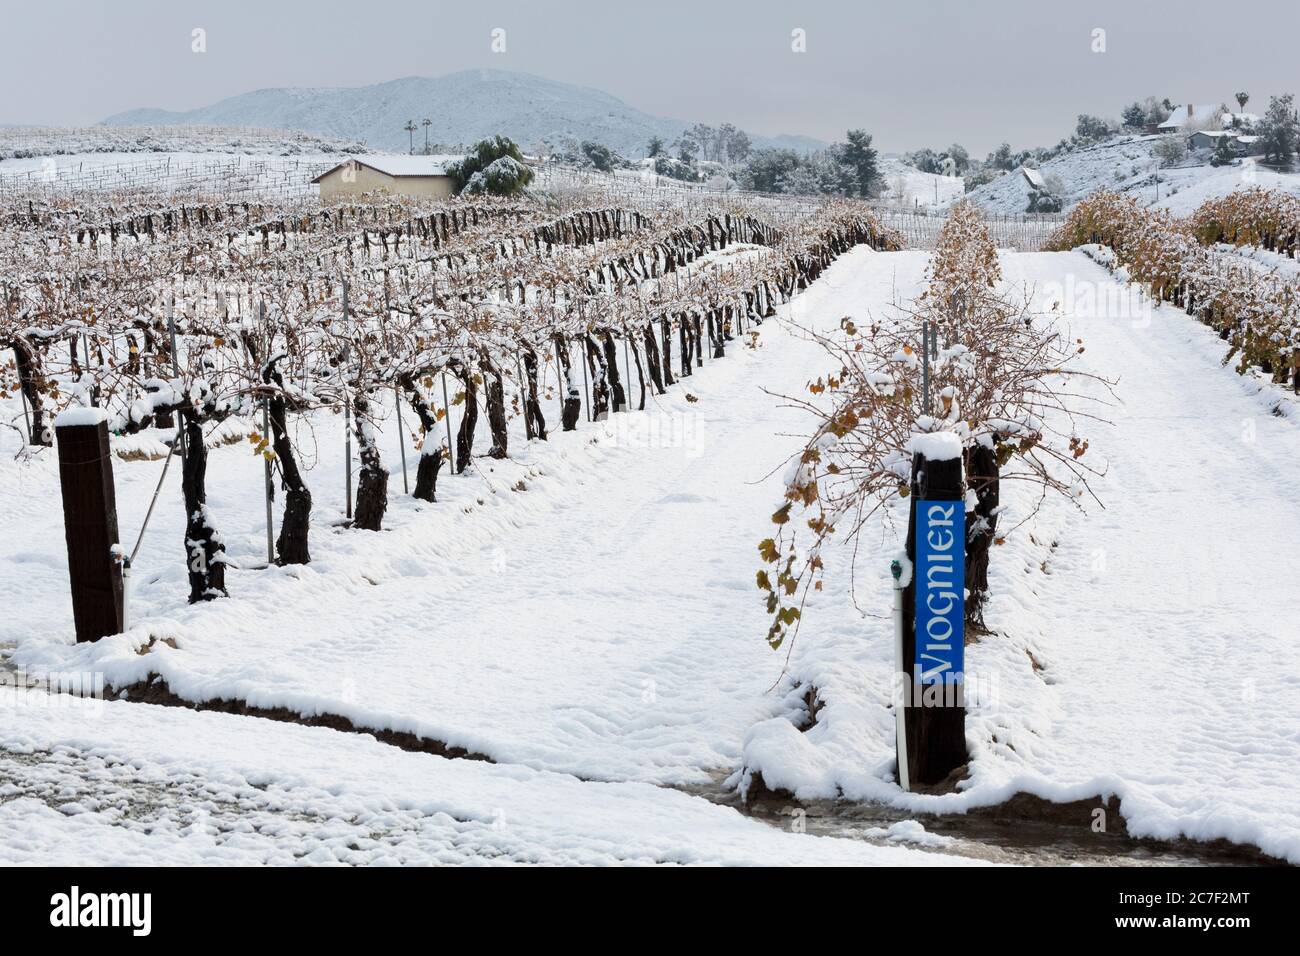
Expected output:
(1042, 197)
(1209, 138)
(422, 176)
(1249, 145)
(1034, 178)
(1192, 114)
(1242, 144)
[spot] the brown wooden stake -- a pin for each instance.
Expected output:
(936, 721)
(90, 526)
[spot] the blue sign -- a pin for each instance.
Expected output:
(940, 577)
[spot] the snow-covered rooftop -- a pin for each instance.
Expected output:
(1180, 117)
(1034, 177)
(398, 165)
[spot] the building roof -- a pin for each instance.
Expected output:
(1180, 118)
(398, 166)
(1034, 178)
(1239, 119)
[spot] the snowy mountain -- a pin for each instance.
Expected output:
(464, 107)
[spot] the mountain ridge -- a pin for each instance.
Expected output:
(465, 106)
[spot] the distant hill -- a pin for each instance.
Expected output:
(1128, 164)
(464, 108)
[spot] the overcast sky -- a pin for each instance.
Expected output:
(914, 73)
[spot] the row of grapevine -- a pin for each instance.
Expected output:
(1257, 311)
(963, 367)
(177, 319)
(1251, 217)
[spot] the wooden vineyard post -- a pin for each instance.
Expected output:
(934, 612)
(90, 522)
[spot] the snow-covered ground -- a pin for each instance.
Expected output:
(1184, 188)
(1129, 165)
(109, 783)
(908, 187)
(585, 615)
(208, 172)
(22, 142)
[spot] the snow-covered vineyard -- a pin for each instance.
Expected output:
(563, 530)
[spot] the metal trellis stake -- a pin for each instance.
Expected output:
(270, 488)
(925, 367)
(627, 374)
(347, 411)
(266, 458)
(401, 436)
(176, 370)
(446, 414)
(586, 388)
(900, 679)
(27, 418)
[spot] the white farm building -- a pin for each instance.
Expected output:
(423, 176)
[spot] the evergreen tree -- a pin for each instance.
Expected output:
(493, 166)
(1278, 130)
(599, 155)
(1225, 152)
(960, 157)
(925, 160)
(1091, 129)
(860, 156)
(735, 143)
(1134, 116)
(1001, 158)
(767, 168)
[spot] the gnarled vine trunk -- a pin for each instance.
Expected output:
(28, 363)
(494, 393)
(291, 547)
(615, 376)
(982, 478)
(666, 334)
(685, 334)
(652, 361)
(572, 398)
(426, 471)
(372, 483)
(465, 434)
(204, 551)
(533, 416)
(600, 379)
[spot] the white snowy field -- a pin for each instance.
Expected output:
(210, 172)
(585, 615)
(86, 782)
(908, 187)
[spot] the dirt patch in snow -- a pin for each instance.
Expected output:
(157, 692)
(1024, 829)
